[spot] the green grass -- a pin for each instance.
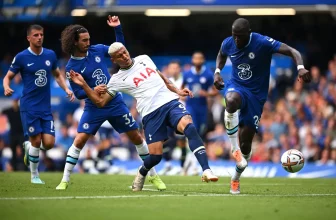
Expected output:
(109, 197)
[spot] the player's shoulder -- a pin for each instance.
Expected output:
(142, 57)
(259, 38)
(228, 41)
(97, 47)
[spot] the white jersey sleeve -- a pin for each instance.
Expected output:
(143, 82)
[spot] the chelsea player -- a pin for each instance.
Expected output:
(88, 60)
(247, 90)
(36, 65)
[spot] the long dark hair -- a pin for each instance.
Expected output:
(69, 36)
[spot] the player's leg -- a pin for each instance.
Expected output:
(231, 118)
(32, 128)
(48, 132)
(88, 125)
(181, 143)
(196, 145)
(246, 134)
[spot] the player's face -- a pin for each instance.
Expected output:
(174, 69)
(83, 42)
(122, 58)
(197, 59)
(241, 38)
(36, 37)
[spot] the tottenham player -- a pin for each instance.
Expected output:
(157, 103)
(246, 92)
(88, 60)
(36, 65)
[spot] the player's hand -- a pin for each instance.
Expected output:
(185, 92)
(77, 78)
(113, 21)
(304, 75)
(8, 91)
(70, 95)
(100, 89)
(218, 82)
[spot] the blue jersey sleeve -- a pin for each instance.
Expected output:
(223, 48)
(119, 35)
(78, 91)
(16, 65)
(103, 49)
(54, 61)
(270, 44)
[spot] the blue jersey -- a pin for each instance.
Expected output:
(93, 69)
(196, 82)
(251, 65)
(35, 72)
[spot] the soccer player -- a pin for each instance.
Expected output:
(246, 92)
(36, 65)
(157, 103)
(89, 62)
(199, 79)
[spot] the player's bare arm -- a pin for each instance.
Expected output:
(184, 92)
(98, 100)
(220, 62)
(6, 82)
(100, 89)
(60, 79)
(296, 56)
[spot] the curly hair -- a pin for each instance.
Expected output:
(69, 36)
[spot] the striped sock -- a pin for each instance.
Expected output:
(143, 152)
(34, 160)
(71, 161)
(231, 125)
(237, 173)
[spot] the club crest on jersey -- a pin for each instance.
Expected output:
(245, 72)
(86, 126)
(143, 76)
(203, 80)
(97, 59)
(67, 74)
(31, 129)
(251, 55)
(47, 62)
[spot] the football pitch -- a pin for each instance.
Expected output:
(110, 197)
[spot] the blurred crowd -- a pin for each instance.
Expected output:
(299, 116)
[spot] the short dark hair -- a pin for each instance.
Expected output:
(175, 62)
(34, 27)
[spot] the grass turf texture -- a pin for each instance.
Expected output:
(110, 197)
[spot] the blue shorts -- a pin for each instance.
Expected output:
(251, 108)
(34, 123)
(121, 120)
(200, 118)
(156, 122)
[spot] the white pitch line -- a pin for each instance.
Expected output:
(228, 184)
(152, 196)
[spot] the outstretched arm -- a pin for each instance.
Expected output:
(97, 99)
(113, 21)
(296, 56)
(173, 88)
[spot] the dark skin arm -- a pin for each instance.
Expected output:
(296, 56)
(220, 62)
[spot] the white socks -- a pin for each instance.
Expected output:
(231, 124)
(33, 160)
(71, 161)
(143, 152)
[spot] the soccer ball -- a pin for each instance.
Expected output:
(292, 161)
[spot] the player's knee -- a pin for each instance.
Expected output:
(135, 137)
(80, 140)
(232, 104)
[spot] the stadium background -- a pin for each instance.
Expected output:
(296, 116)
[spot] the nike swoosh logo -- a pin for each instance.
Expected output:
(29, 64)
(82, 71)
(233, 55)
(132, 124)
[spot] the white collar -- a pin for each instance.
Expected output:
(32, 52)
(79, 58)
(249, 40)
(193, 70)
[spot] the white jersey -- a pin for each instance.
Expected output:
(178, 82)
(143, 82)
